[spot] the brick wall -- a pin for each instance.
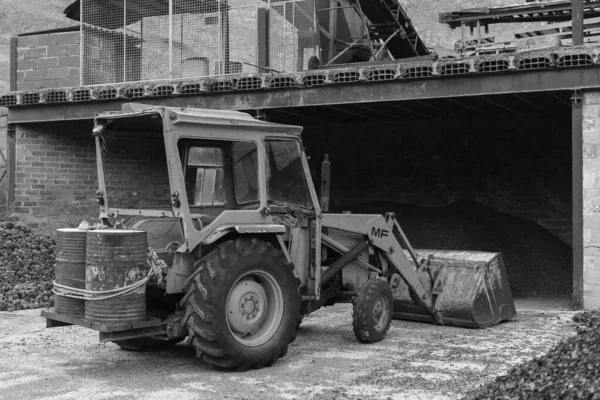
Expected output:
(56, 175)
(518, 164)
(48, 61)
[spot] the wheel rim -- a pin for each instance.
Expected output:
(254, 308)
(380, 313)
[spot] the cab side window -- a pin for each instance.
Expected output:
(204, 177)
(245, 172)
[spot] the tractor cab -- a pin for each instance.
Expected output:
(216, 164)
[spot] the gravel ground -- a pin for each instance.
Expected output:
(415, 361)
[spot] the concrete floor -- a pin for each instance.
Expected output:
(415, 361)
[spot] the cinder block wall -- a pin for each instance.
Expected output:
(517, 164)
(48, 61)
(57, 179)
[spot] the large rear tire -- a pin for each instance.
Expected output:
(372, 312)
(242, 305)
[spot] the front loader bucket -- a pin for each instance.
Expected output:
(470, 289)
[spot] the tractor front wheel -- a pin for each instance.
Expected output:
(372, 312)
(242, 305)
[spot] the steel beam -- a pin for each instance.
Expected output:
(439, 110)
(495, 103)
(577, 193)
(334, 95)
(399, 107)
(531, 103)
(13, 64)
(11, 165)
(468, 107)
(577, 18)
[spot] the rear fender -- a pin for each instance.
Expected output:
(183, 263)
(243, 229)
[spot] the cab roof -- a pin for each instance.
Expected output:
(200, 116)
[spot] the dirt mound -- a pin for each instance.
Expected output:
(536, 261)
(571, 370)
(26, 268)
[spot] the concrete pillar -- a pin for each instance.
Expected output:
(590, 276)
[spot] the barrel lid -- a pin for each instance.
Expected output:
(69, 230)
(116, 231)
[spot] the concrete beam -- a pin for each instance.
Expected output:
(590, 271)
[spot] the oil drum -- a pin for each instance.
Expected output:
(115, 259)
(69, 270)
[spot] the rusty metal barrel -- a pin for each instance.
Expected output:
(69, 270)
(115, 259)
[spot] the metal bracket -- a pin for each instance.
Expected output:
(576, 98)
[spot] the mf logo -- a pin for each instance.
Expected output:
(378, 232)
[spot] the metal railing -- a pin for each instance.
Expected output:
(149, 40)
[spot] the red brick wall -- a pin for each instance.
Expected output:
(48, 61)
(56, 175)
(517, 164)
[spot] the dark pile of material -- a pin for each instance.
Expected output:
(537, 263)
(571, 370)
(26, 268)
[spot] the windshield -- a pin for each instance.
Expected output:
(286, 179)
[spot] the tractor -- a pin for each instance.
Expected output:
(247, 250)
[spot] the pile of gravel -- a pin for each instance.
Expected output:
(26, 268)
(571, 370)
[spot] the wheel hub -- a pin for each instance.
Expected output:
(246, 306)
(380, 311)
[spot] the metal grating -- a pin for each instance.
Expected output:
(384, 74)
(190, 88)
(30, 98)
(249, 83)
(346, 77)
(420, 71)
(8, 100)
(455, 69)
(149, 40)
(106, 93)
(575, 60)
(56, 96)
(493, 66)
(534, 63)
(81, 95)
(313, 80)
(163, 90)
(280, 82)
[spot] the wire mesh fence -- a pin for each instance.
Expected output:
(144, 40)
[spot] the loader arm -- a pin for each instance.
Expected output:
(386, 235)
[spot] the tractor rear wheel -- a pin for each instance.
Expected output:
(372, 312)
(242, 305)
